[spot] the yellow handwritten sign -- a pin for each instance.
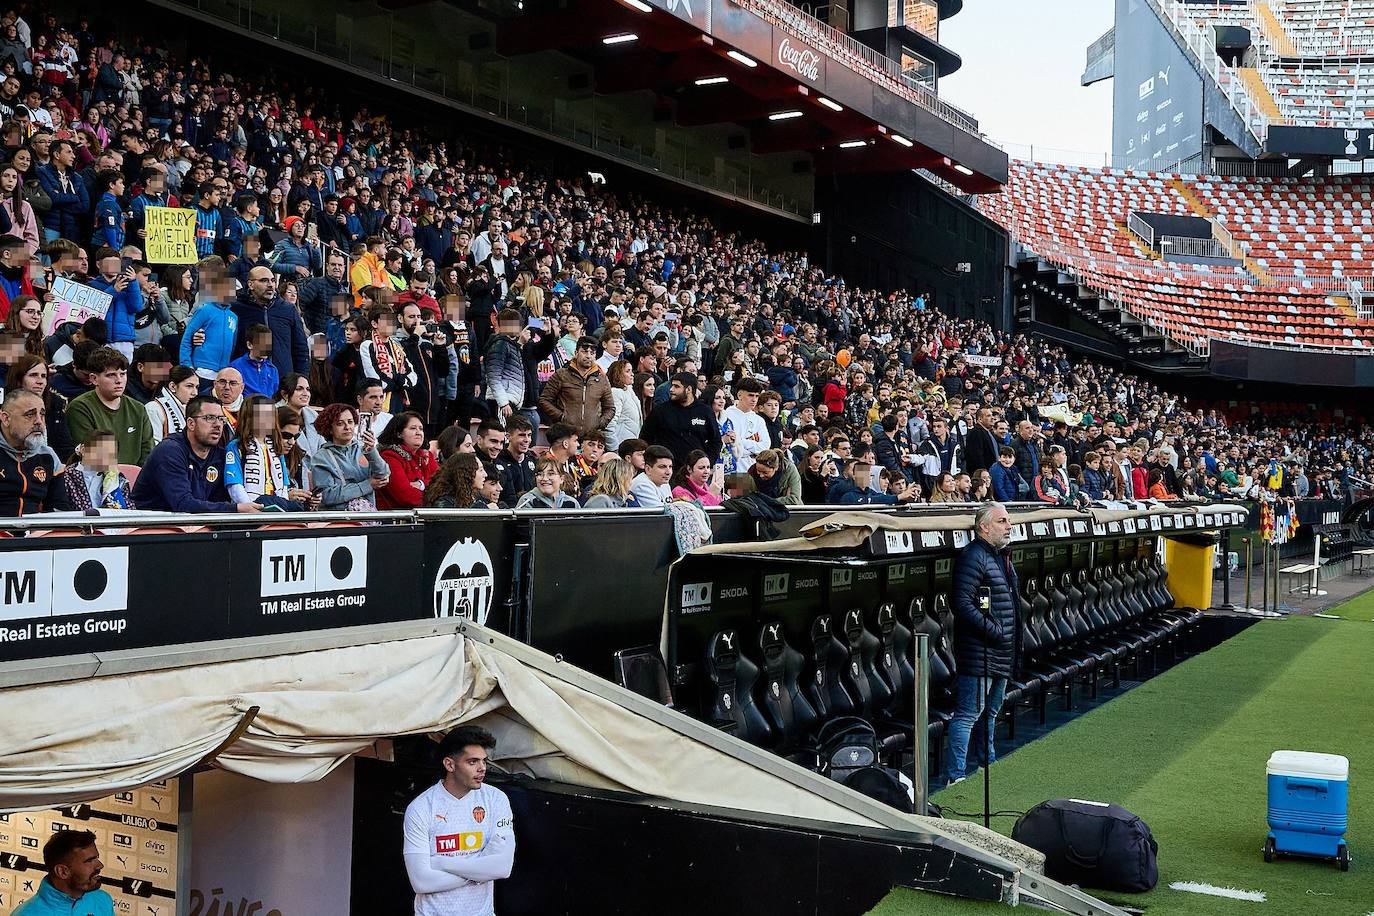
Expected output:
(170, 235)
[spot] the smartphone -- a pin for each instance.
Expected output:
(125, 264)
(364, 420)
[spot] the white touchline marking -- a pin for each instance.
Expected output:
(1194, 887)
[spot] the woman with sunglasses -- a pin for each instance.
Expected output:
(290, 426)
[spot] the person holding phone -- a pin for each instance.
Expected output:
(986, 638)
(119, 279)
(297, 255)
(347, 470)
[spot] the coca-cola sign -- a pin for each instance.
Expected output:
(806, 62)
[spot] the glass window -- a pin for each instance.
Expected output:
(917, 68)
(922, 16)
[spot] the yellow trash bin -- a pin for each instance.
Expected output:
(1190, 572)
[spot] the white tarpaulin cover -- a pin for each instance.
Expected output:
(315, 709)
(318, 708)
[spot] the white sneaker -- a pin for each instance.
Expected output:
(955, 782)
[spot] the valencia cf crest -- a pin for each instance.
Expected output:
(212, 473)
(40, 474)
(479, 814)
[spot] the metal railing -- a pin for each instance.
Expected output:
(1182, 246)
(1201, 43)
(1144, 230)
(1362, 299)
(848, 51)
(1227, 240)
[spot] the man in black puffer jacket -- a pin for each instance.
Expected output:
(986, 636)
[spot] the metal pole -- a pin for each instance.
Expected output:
(920, 743)
(1264, 579)
(1274, 571)
(1249, 556)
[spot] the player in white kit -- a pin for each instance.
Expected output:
(458, 834)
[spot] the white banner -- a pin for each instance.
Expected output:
(977, 359)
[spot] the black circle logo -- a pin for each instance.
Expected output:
(341, 562)
(90, 580)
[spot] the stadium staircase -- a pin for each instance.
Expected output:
(1260, 94)
(1236, 250)
(1138, 340)
(1274, 31)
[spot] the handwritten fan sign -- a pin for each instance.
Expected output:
(170, 235)
(73, 301)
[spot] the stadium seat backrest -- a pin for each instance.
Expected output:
(1040, 610)
(945, 617)
(731, 677)
(859, 675)
(1059, 610)
(882, 623)
(1091, 604)
(1163, 572)
(774, 700)
(1030, 630)
(822, 686)
(1079, 622)
(941, 665)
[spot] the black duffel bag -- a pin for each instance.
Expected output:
(1091, 844)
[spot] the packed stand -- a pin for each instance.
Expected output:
(376, 320)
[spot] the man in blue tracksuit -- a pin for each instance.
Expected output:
(126, 299)
(72, 885)
(986, 637)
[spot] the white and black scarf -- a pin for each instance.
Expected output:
(173, 414)
(262, 471)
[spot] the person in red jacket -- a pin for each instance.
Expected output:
(412, 465)
(834, 392)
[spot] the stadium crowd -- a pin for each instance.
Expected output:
(363, 294)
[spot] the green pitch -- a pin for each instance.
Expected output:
(1186, 751)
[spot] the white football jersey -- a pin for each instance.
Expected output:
(436, 823)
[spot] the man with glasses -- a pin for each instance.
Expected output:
(185, 473)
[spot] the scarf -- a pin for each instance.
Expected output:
(111, 491)
(173, 414)
(262, 472)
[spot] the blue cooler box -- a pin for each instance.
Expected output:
(1308, 806)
